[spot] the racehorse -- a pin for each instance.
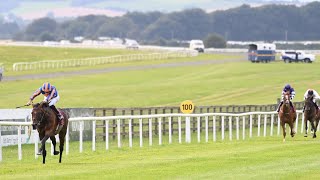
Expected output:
(287, 115)
(45, 121)
(311, 114)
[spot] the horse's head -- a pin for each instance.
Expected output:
(308, 103)
(286, 98)
(38, 113)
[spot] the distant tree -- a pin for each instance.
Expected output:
(118, 27)
(47, 36)
(75, 28)
(39, 26)
(8, 30)
(214, 41)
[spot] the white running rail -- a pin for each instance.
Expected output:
(224, 118)
(46, 64)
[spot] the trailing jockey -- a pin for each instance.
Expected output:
(287, 88)
(51, 96)
(313, 93)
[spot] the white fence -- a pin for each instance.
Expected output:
(262, 121)
(23, 66)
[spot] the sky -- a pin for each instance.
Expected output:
(32, 9)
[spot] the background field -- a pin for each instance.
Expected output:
(209, 80)
(209, 83)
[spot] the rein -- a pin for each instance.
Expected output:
(42, 117)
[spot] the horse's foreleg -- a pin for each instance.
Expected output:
(292, 131)
(54, 143)
(314, 129)
(43, 144)
(283, 131)
(44, 154)
(306, 127)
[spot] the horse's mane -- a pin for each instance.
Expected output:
(308, 99)
(44, 106)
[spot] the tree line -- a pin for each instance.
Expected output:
(244, 23)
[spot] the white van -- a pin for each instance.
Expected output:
(197, 45)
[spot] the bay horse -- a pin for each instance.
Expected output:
(312, 115)
(45, 120)
(287, 115)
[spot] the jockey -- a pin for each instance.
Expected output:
(287, 88)
(315, 96)
(51, 96)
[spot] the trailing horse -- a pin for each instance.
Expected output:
(287, 115)
(46, 122)
(312, 115)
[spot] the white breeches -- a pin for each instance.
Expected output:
(53, 101)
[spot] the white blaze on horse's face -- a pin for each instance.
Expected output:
(287, 99)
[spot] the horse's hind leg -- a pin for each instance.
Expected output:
(62, 139)
(54, 143)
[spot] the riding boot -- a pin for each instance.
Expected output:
(291, 105)
(317, 108)
(60, 118)
(280, 104)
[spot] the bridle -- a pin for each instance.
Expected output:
(42, 117)
(309, 102)
(286, 98)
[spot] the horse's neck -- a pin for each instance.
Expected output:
(286, 108)
(310, 107)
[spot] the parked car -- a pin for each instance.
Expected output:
(289, 56)
(132, 44)
(197, 45)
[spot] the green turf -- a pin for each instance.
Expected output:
(256, 158)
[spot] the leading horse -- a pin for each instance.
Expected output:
(287, 115)
(45, 120)
(312, 115)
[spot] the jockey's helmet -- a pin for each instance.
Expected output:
(310, 92)
(46, 87)
(287, 87)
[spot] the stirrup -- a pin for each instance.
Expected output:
(60, 117)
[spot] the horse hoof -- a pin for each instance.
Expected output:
(56, 152)
(305, 135)
(284, 140)
(39, 153)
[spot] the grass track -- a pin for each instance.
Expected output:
(259, 157)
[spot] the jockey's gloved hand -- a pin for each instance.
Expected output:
(46, 101)
(29, 102)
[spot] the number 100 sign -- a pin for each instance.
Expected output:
(186, 107)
